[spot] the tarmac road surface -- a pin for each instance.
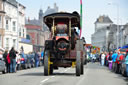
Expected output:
(94, 74)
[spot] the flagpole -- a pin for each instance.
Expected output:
(80, 17)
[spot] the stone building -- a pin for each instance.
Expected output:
(2, 30)
(100, 37)
(36, 36)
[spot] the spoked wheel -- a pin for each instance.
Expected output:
(78, 64)
(46, 63)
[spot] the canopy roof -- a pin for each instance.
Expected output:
(63, 18)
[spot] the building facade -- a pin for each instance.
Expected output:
(100, 37)
(106, 36)
(37, 31)
(123, 35)
(12, 24)
(2, 30)
(36, 36)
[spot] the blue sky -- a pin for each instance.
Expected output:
(92, 9)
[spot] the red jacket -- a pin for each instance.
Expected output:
(8, 58)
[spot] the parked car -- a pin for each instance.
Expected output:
(2, 63)
(27, 60)
(2, 66)
(25, 63)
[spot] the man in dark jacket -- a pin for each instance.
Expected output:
(6, 61)
(36, 59)
(12, 55)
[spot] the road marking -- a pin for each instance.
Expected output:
(45, 80)
(52, 76)
(66, 70)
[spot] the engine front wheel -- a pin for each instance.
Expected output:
(46, 63)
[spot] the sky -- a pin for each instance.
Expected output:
(92, 9)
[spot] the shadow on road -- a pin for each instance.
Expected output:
(64, 74)
(33, 74)
(42, 74)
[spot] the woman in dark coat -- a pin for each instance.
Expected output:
(12, 55)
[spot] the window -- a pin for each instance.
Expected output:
(23, 32)
(0, 41)
(7, 43)
(14, 43)
(20, 32)
(14, 26)
(7, 25)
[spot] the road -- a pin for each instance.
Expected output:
(94, 74)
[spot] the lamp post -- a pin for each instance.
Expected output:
(117, 32)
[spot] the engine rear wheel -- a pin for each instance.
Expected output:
(46, 63)
(51, 69)
(78, 64)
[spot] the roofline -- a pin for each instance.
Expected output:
(16, 4)
(11, 3)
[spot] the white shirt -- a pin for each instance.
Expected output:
(18, 58)
(103, 56)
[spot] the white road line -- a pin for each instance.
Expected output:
(66, 70)
(52, 76)
(44, 80)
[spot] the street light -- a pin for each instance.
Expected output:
(117, 33)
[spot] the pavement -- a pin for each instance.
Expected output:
(94, 74)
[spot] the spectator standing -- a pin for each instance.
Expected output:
(126, 61)
(12, 55)
(107, 56)
(6, 56)
(42, 56)
(18, 59)
(110, 60)
(36, 59)
(114, 57)
(102, 58)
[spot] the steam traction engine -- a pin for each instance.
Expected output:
(64, 47)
